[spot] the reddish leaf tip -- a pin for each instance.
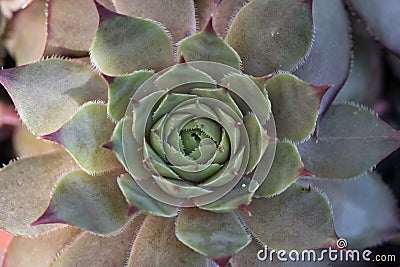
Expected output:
(321, 90)
(55, 137)
(181, 60)
(109, 79)
(246, 209)
(222, 262)
(264, 78)
(49, 216)
(209, 27)
(108, 145)
(104, 13)
(305, 172)
(132, 210)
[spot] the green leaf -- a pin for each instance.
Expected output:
(93, 250)
(381, 17)
(83, 137)
(351, 140)
(285, 170)
(178, 188)
(294, 105)
(304, 211)
(362, 221)
(139, 200)
(178, 16)
(70, 35)
(124, 44)
(26, 33)
(40, 251)
(93, 203)
(156, 245)
(277, 41)
(207, 46)
(47, 93)
(238, 198)
(330, 56)
(120, 91)
(215, 235)
(25, 185)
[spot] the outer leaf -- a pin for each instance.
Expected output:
(70, 35)
(26, 37)
(140, 201)
(279, 40)
(207, 46)
(305, 212)
(123, 44)
(25, 190)
(358, 211)
(294, 105)
(329, 59)
(216, 235)
(176, 15)
(90, 202)
(381, 17)
(92, 250)
(351, 140)
(157, 245)
(83, 137)
(66, 86)
(40, 251)
(122, 89)
(285, 170)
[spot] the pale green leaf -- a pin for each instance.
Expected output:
(215, 235)
(299, 218)
(47, 93)
(261, 34)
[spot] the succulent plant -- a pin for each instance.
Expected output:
(192, 154)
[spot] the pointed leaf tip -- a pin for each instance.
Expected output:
(132, 210)
(109, 79)
(181, 60)
(49, 216)
(305, 172)
(246, 209)
(108, 145)
(222, 262)
(104, 13)
(209, 27)
(321, 90)
(55, 137)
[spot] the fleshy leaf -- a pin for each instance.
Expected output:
(364, 209)
(330, 56)
(124, 44)
(77, 193)
(274, 45)
(92, 250)
(207, 46)
(67, 85)
(116, 142)
(20, 179)
(239, 197)
(381, 18)
(141, 201)
(351, 140)
(40, 251)
(215, 235)
(176, 15)
(304, 211)
(179, 188)
(122, 89)
(70, 35)
(294, 105)
(83, 137)
(285, 170)
(26, 37)
(158, 235)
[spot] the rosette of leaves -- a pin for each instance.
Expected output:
(196, 161)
